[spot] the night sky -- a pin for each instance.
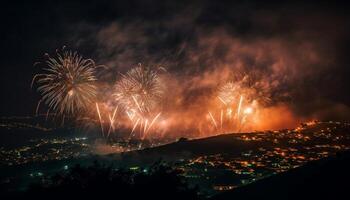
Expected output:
(300, 49)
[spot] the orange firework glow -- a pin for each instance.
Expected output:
(99, 117)
(66, 83)
(139, 92)
(139, 106)
(232, 108)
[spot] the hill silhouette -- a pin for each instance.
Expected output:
(323, 179)
(233, 143)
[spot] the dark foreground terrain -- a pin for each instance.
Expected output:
(214, 164)
(324, 179)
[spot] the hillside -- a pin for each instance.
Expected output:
(236, 143)
(324, 179)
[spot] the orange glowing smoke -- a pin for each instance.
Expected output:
(276, 117)
(198, 113)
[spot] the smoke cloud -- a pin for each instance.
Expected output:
(294, 55)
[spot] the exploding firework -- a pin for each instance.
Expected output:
(139, 89)
(139, 93)
(228, 93)
(237, 105)
(106, 116)
(67, 83)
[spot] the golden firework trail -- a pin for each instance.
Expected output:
(145, 128)
(213, 120)
(130, 116)
(37, 108)
(139, 93)
(67, 83)
(100, 118)
(47, 114)
(221, 118)
(137, 103)
(154, 119)
(135, 125)
(222, 101)
(112, 120)
(236, 104)
(239, 106)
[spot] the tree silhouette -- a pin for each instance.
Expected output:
(158, 182)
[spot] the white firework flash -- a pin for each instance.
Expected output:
(67, 83)
(139, 92)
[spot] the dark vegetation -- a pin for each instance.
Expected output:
(98, 181)
(323, 179)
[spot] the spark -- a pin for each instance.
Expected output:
(213, 120)
(141, 125)
(222, 101)
(227, 93)
(139, 88)
(248, 110)
(229, 112)
(37, 108)
(233, 110)
(130, 114)
(239, 106)
(67, 83)
(47, 114)
(99, 116)
(221, 118)
(145, 128)
(154, 119)
(111, 120)
(135, 125)
(139, 93)
(137, 103)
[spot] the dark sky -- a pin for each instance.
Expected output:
(303, 46)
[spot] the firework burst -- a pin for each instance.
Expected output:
(228, 93)
(139, 89)
(139, 92)
(67, 83)
(238, 103)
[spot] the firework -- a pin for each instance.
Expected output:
(139, 89)
(111, 121)
(107, 117)
(100, 118)
(228, 93)
(139, 93)
(147, 128)
(248, 111)
(237, 104)
(67, 83)
(213, 120)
